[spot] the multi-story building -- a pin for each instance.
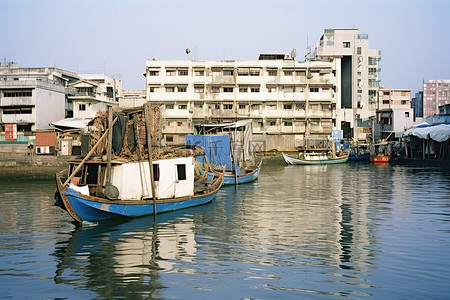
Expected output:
(132, 98)
(435, 94)
(394, 113)
(358, 80)
(32, 98)
(417, 105)
(289, 102)
(93, 93)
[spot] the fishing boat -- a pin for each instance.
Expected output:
(315, 158)
(360, 152)
(132, 180)
(380, 152)
(227, 145)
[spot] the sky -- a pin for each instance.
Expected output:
(117, 37)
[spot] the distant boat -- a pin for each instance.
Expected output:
(228, 145)
(380, 152)
(127, 181)
(315, 159)
(360, 152)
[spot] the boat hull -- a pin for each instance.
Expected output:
(380, 158)
(295, 161)
(94, 209)
(230, 179)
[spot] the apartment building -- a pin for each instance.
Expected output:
(31, 98)
(435, 93)
(358, 80)
(290, 102)
(417, 105)
(394, 113)
(93, 93)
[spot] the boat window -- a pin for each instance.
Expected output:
(181, 172)
(156, 172)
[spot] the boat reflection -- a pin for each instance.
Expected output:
(116, 258)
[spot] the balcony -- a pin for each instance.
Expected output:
(17, 101)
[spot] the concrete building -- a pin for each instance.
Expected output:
(358, 81)
(417, 105)
(291, 103)
(435, 94)
(30, 99)
(132, 98)
(93, 93)
(395, 113)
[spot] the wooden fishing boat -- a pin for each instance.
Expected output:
(315, 159)
(230, 178)
(228, 146)
(175, 189)
(380, 152)
(131, 180)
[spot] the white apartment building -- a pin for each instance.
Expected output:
(32, 98)
(93, 93)
(394, 113)
(289, 102)
(358, 80)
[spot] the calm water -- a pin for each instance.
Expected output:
(314, 232)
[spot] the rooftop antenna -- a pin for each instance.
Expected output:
(187, 52)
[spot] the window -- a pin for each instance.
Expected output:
(271, 106)
(272, 72)
(152, 89)
(18, 111)
(271, 89)
(17, 94)
(199, 89)
(228, 72)
(153, 73)
(198, 105)
(215, 89)
(169, 106)
(156, 172)
(313, 90)
(216, 106)
(179, 123)
(288, 89)
(243, 89)
(300, 73)
(227, 89)
(358, 50)
(406, 114)
(272, 123)
(287, 73)
(372, 71)
(287, 106)
(404, 102)
(346, 44)
(182, 106)
(82, 107)
(199, 73)
(170, 89)
(228, 106)
(256, 106)
(386, 93)
(181, 172)
(242, 106)
(385, 101)
(182, 89)
(182, 72)
(254, 89)
(169, 138)
(254, 72)
(287, 123)
(171, 73)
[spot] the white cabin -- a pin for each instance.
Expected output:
(173, 178)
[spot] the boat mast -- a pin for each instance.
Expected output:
(147, 111)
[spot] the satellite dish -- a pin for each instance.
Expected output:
(293, 53)
(188, 50)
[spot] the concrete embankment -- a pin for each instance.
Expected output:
(20, 162)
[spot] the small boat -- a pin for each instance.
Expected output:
(380, 152)
(228, 145)
(176, 189)
(132, 180)
(360, 152)
(314, 159)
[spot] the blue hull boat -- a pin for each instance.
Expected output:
(90, 208)
(231, 179)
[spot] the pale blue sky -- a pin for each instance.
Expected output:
(116, 37)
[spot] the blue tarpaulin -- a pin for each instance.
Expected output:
(217, 148)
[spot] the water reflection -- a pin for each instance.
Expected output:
(122, 258)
